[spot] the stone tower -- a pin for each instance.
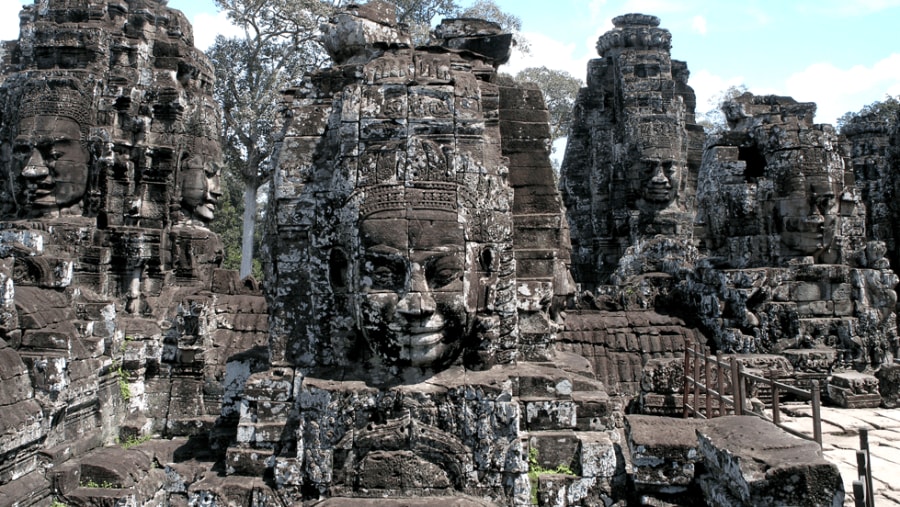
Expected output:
(629, 172)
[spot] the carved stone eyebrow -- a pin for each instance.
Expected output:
(382, 249)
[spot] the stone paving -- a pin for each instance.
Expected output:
(840, 435)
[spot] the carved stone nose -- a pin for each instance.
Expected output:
(36, 168)
(659, 177)
(416, 303)
(418, 300)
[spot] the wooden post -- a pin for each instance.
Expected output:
(736, 391)
(859, 494)
(864, 447)
(720, 383)
(687, 372)
(776, 409)
(862, 467)
(696, 379)
(817, 412)
(708, 383)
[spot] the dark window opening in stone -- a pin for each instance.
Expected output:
(756, 162)
(337, 269)
(646, 70)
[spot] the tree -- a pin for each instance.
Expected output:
(713, 121)
(886, 111)
(489, 10)
(277, 49)
(419, 14)
(560, 90)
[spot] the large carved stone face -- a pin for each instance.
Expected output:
(662, 177)
(200, 185)
(412, 288)
(52, 163)
(808, 216)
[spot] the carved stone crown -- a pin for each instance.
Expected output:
(56, 97)
(426, 195)
(637, 31)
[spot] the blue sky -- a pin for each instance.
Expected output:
(841, 54)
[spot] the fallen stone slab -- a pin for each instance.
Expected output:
(752, 462)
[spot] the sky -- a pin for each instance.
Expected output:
(840, 54)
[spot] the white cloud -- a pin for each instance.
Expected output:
(9, 19)
(596, 8)
(707, 86)
(655, 7)
(208, 26)
(843, 8)
(550, 53)
(699, 24)
(837, 91)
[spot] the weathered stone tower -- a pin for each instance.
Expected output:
(630, 167)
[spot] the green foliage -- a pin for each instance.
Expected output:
(124, 386)
(58, 503)
(229, 217)
(132, 441)
(560, 90)
(419, 15)
(94, 484)
(885, 111)
(535, 470)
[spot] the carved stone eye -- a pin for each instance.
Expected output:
(443, 271)
(385, 273)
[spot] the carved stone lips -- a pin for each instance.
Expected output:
(39, 193)
(422, 336)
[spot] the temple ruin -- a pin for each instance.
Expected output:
(443, 320)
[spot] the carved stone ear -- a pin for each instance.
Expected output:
(490, 261)
(338, 271)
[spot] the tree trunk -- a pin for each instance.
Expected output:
(249, 226)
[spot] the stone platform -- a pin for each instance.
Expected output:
(840, 434)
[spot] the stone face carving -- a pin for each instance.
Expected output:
(775, 193)
(418, 260)
(52, 161)
(418, 229)
(782, 197)
(116, 319)
(199, 182)
(760, 238)
(423, 339)
(629, 173)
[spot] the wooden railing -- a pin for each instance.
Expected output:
(707, 395)
(863, 490)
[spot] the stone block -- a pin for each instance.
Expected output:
(597, 455)
(248, 462)
(811, 360)
(552, 489)
(549, 414)
(854, 390)
(596, 411)
(889, 385)
(752, 462)
(556, 448)
(664, 452)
